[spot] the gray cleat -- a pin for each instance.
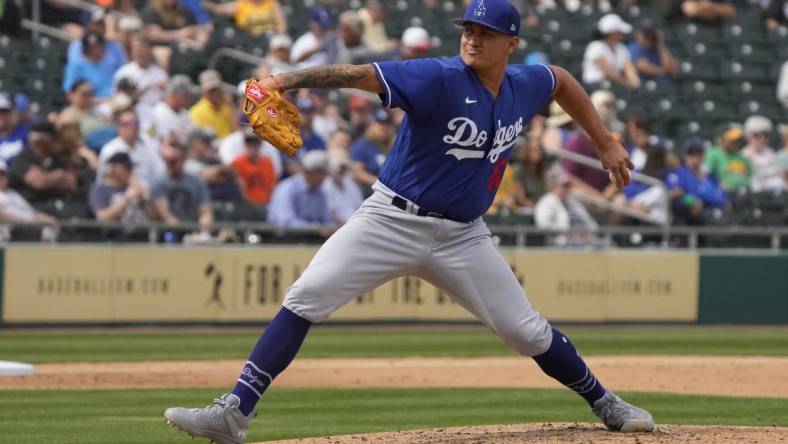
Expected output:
(620, 416)
(221, 421)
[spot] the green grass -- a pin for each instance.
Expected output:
(333, 342)
(116, 416)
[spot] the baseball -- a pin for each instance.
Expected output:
(613, 178)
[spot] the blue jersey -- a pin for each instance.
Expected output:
(703, 188)
(452, 146)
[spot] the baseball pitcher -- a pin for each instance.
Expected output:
(463, 116)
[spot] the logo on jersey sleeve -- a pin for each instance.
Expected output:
(470, 141)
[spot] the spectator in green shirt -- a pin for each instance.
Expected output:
(726, 163)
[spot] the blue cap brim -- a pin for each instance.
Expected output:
(461, 21)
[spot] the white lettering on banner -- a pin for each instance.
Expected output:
(467, 134)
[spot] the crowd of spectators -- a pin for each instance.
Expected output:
(136, 143)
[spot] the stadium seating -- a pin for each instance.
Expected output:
(727, 73)
(715, 61)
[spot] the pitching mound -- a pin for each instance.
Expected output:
(559, 433)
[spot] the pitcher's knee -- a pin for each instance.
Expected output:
(530, 337)
(309, 302)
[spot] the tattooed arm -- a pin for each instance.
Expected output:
(328, 77)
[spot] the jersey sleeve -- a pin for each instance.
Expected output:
(540, 84)
(413, 85)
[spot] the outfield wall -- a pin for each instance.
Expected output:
(127, 284)
(744, 289)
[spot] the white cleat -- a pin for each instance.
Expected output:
(621, 416)
(221, 422)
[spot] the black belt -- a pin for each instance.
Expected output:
(402, 204)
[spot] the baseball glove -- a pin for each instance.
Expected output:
(272, 117)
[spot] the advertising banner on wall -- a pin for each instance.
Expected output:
(160, 284)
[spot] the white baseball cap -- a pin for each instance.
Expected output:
(416, 37)
(6, 104)
(757, 124)
(610, 23)
(280, 41)
(315, 160)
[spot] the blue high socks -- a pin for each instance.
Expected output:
(562, 362)
(274, 351)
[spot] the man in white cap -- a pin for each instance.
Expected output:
(278, 58)
(415, 42)
(170, 116)
(767, 173)
(149, 78)
(607, 57)
(299, 200)
(558, 210)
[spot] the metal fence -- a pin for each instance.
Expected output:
(514, 235)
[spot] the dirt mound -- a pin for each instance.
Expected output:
(702, 375)
(558, 433)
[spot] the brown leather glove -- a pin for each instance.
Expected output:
(272, 117)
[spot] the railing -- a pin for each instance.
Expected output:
(39, 28)
(648, 180)
(517, 235)
(662, 237)
(36, 27)
(233, 54)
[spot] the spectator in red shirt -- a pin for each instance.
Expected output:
(255, 171)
